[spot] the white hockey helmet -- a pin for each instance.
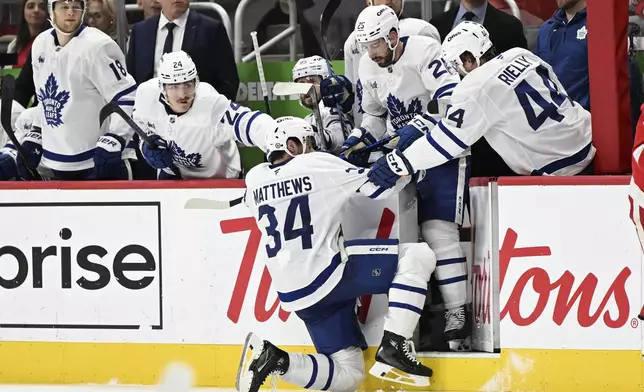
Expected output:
(376, 22)
(311, 66)
(466, 37)
(51, 4)
(176, 67)
(288, 127)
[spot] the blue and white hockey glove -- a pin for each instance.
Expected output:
(158, 156)
(8, 168)
(32, 145)
(108, 161)
(358, 138)
(388, 169)
(337, 90)
(414, 130)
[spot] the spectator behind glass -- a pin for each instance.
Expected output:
(562, 44)
(101, 14)
(33, 21)
(149, 7)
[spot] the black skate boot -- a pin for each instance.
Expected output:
(396, 361)
(260, 359)
(458, 328)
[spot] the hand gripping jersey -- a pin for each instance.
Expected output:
(72, 84)
(519, 105)
(352, 53)
(331, 126)
(393, 96)
(200, 145)
(298, 206)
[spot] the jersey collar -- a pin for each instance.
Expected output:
(78, 31)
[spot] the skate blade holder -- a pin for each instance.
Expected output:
(390, 373)
(252, 349)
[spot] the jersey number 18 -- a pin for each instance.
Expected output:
(299, 205)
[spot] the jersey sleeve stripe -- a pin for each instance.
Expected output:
(444, 90)
(125, 103)
(429, 118)
(123, 93)
(248, 126)
(437, 147)
(237, 121)
(454, 138)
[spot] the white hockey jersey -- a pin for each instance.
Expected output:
(331, 126)
(200, 148)
(299, 206)
(16, 111)
(393, 96)
(72, 84)
(353, 52)
(23, 127)
(518, 104)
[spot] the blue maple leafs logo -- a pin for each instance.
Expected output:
(399, 113)
(180, 158)
(53, 101)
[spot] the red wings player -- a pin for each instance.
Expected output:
(636, 191)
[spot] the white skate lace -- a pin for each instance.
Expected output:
(410, 351)
(454, 319)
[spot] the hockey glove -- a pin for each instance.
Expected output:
(337, 90)
(8, 168)
(32, 145)
(388, 169)
(414, 130)
(157, 155)
(108, 161)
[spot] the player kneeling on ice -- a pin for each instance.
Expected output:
(514, 100)
(77, 70)
(315, 70)
(299, 200)
(193, 127)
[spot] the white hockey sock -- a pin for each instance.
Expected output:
(340, 372)
(409, 288)
(451, 266)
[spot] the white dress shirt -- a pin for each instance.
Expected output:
(162, 33)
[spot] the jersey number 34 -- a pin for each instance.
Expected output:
(298, 206)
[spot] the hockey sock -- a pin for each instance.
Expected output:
(451, 265)
(409, 288)
(341, 371)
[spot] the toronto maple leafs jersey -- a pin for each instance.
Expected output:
(353, 52)
(332, 130)
(16, 111)
(72, 84)
(299, 206)
(200, 148)
(517, 103)
(393, 96)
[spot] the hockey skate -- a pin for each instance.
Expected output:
(396, 361)
(260, 359)
(458, 329)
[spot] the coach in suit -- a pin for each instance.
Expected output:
(178, 28)
(506, 32)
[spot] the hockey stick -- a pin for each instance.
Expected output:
(8, 86)
(372, 147)
(208, 204)
(325, 19)
(113, 107)
(260, 70)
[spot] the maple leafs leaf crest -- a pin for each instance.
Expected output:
(359, 94)
(53, 101)
(180, 158)
(395, 106)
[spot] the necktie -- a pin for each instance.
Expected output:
(469, 15)
(167, 46)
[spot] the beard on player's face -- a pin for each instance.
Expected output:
(567, 4)
(385, 59)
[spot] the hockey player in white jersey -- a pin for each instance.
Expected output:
(514, 100)
(401, 76)
(353, 51)
(194, 128)
(314, 70)
(76, 71)
(25, 134)
(299, 199)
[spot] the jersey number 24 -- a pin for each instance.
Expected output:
(525, 92)
(299, 205)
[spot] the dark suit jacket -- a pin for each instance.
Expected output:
(205, 40)
(506, 32)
